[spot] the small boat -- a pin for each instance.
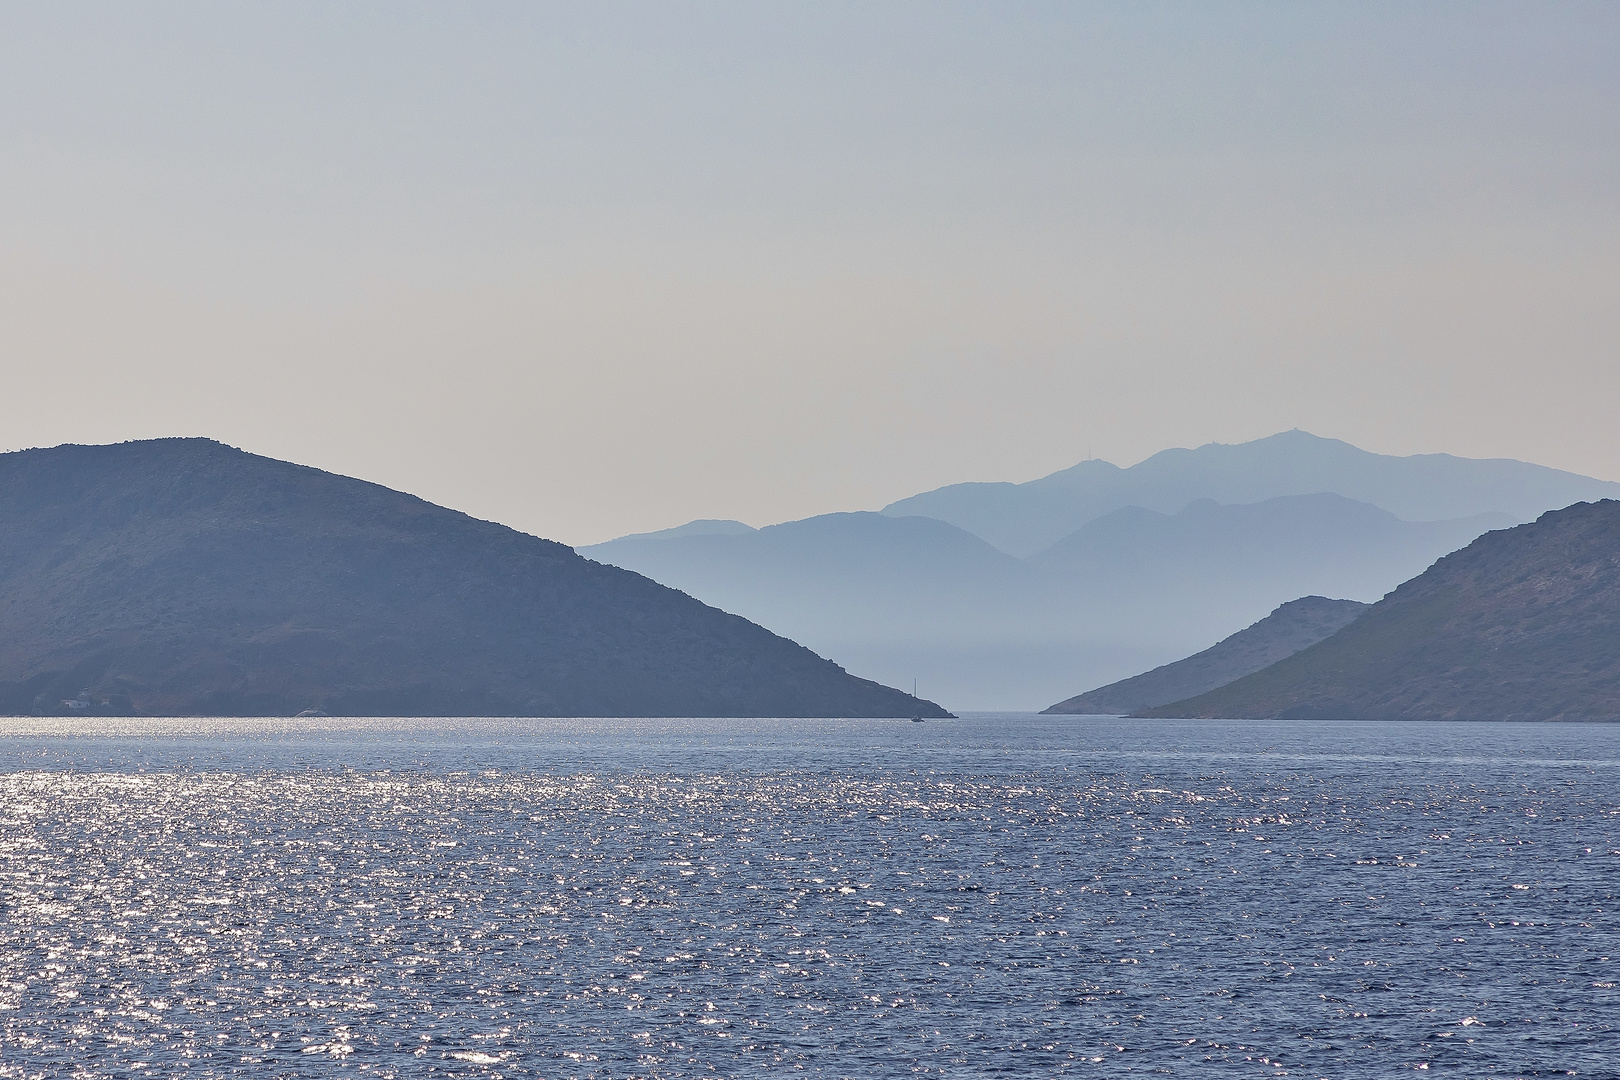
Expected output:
(916, 717)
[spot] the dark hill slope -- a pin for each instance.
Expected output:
(180, 576)
(1295, 625)
(1522, 624)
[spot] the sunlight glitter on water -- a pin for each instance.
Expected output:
(725, 897)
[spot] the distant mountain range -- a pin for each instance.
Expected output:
(1023, 519)
(1522, 624)
(182, 577)
(1295, 625)
(1016, 595)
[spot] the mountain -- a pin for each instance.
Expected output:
(898, 598)
(830, 571)
(909, 597)
(1023, 519)
(1292, 627)
(1209, 555)
(180, 576)
(1522, 624)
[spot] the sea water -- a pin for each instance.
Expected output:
(996, 895)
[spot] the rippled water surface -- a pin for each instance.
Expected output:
(1029, 896)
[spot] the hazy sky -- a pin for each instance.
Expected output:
(594, 268)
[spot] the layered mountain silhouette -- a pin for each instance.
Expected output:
(1014, 595)
(1282, 547)
(897, 598)
(1027, 518)
(1522, 624)
(882, 575)
(183, 577)
(1295, 625)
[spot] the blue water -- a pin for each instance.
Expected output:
(998, 895)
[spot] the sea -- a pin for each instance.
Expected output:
(995, 895)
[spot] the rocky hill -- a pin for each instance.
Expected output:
(1522, 624)
(1295, 625)
(183, 577)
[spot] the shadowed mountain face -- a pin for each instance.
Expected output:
(897, 598)
(1023, 519)
(183, 577)
(1295, 625)
(1522, 624)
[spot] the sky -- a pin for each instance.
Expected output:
(595, 269)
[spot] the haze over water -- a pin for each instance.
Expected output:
(1000, 894)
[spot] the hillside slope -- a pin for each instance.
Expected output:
(180, 576)
(1295, 625)
(1523, 624)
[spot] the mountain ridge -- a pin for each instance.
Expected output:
(1519, 625)
(1229, 531)
(1025, 518)
(185, 577)
(897, 598)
